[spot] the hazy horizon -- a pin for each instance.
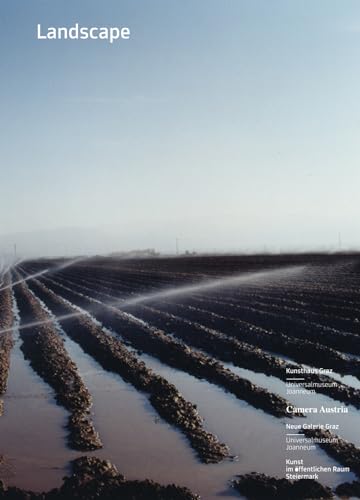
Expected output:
(72, 241)
(232, 126)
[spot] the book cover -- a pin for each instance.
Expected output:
(179, 249)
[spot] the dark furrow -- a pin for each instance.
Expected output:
(92, 478)
(248, 289)
(6, 340)
(330, 296)
(284, 298)
(267, 304)
(255, 486)
(47, 355)
(342, 451)
(175, 354)
(302, 351)
(114, 356)
(292, 325)
(217, 343)
(227, 349)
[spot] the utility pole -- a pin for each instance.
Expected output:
(177, 246)
(15, 253)
(339, 240)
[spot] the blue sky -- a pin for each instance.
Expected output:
(230, 124)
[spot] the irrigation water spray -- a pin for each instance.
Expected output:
(258, 276)
(255, 277)
(49, 270)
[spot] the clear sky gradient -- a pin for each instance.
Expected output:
(231, 124)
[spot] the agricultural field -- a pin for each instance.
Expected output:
(167, 377)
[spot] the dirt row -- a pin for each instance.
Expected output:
(293, 296)
(113, 356)
(256, 486)
(317, 312)
(197, 266)
(229, 348)
(45, 350)
(348, 490)
(293, 325)
(239, 298)
(301, 349)
(342, 451)
(140, 282)
(243, 354)
(222, 346)
(214, 342)
(93, 479)
(6, 340)
(176, 271)
(295, 307)
(175, 353)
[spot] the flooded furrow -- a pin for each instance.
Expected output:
(299, 349)
(113, 355)
(256, 438)
(32, 428)
(139, 443)
(174, 316)
(349, 422)
(44, 348)
(175, 353)
(218, 344)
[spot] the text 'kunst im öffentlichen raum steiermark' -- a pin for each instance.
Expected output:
(109, 34)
